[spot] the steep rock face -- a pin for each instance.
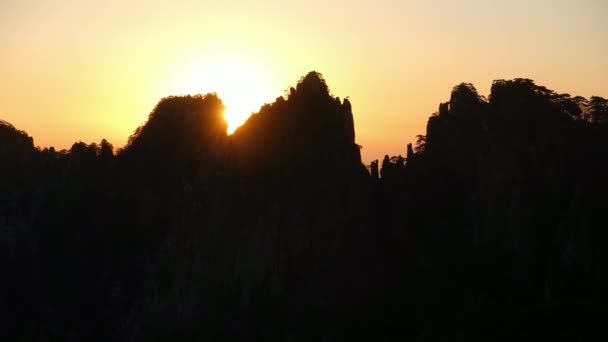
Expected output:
(291, 238)
(523, 184)
(440, 179)
(310, 130)
(181, 129)
(276, 240)
(18, 179)
(181, 148)
(492, 198)
(278, 232)
(18, 159)
(309, 195)
(15, 145)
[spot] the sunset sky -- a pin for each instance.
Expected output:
(87, 70)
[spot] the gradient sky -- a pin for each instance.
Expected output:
(87, 70)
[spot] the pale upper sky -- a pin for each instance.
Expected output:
(87, 70)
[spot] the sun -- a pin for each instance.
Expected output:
(242, 88)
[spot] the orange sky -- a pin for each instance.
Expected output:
(87, 70)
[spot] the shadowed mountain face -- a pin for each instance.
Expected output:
(491, 227)
(180, 128)
(310, 130)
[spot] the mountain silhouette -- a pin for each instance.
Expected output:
(309, 130)
(492, 227)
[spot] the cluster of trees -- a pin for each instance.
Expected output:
(491, 226)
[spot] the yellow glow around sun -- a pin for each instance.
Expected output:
(242, 88)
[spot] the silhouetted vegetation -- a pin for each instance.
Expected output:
(492, 227)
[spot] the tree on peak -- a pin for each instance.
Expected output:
(597, 110)
(11, 135)
(15, 145)
(465, 92)
(520, 89)
(313, 83)
(464, 98)
(106, 150)
(6, 124)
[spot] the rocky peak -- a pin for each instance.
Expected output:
(464, 100)
(312, 83)
(181, 126)
(307, 128)
(14, 144)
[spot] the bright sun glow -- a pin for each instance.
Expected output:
(243, 89)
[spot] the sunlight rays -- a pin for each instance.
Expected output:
(242, 87)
